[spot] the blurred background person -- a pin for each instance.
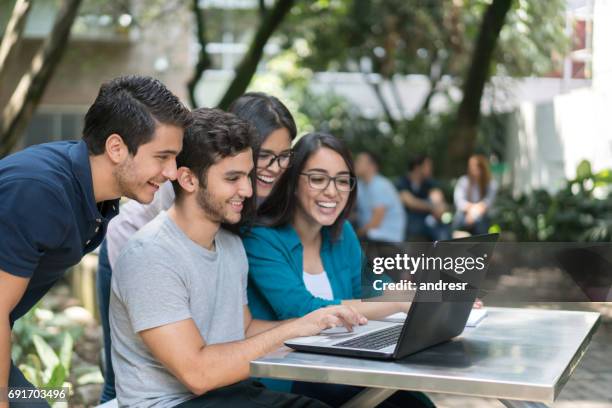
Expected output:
(474, 195)
(423, 201)
(380, 216)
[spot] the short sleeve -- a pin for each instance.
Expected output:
(32, 221)
(382, 194)
(150, 287)
(245, 282)
(402, 184)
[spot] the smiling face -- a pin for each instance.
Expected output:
(322, 207)
(278, 142)
(228, 184)
(139, 176)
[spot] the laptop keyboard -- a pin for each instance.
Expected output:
(374, 341)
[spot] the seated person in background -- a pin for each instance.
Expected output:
(275, 130)
(380, 216)
(474, 196)
(423, 201)
(182, 333)
(304, 255)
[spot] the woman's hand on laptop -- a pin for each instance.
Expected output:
(328, 317)
(478, 304)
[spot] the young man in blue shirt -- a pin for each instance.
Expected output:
(57, 198)
(380, 215)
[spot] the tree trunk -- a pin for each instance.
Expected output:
(203, 59)
(382, 101)
(12, 35)
(468, 114)
(248, 65)
(30, 89)
(398, 98)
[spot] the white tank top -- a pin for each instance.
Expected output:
(318, 285)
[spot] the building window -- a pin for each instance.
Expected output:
(49, 126)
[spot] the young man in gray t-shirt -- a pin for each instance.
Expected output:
(182, 334)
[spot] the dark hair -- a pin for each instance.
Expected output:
(278, 209)
(212, 136)
(265, 112)
(131, 106)
(417, 160)
(374, 158)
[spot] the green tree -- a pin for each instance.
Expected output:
(24, 100)
(435, 38)
(269, 19)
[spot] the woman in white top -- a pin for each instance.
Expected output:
(474, 196)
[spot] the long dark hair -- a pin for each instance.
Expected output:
(279, 208)
(265, 112)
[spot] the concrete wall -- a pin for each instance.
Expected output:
(89, 62)
(549, 138)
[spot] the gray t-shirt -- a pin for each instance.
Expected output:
(162, 277)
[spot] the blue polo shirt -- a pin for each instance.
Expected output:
(49, 217)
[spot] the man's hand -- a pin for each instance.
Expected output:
(328, 317)
(438, 211)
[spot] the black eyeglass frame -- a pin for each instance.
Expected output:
(352, 181)
(276, 158)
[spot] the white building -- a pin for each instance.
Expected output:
(552, 136)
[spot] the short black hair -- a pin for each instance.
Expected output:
(265, 112)
(212, 136)
(279, 207)
(372, 156)
(131, 106)
(417, 160)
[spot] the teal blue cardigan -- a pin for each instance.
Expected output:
(276, 289)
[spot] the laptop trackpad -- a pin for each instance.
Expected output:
(341, 333)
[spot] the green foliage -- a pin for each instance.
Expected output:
(581, 211)
(335, 114)
(401, 37)
(45, 324)
(423, 134)
(41, 353)
(46, 369)
(533, 38)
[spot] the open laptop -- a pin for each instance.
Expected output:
(434, 316)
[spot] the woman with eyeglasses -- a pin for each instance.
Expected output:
(276, 129)
(303, 253)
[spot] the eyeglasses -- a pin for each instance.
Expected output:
(344, 183)
(266, 159)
